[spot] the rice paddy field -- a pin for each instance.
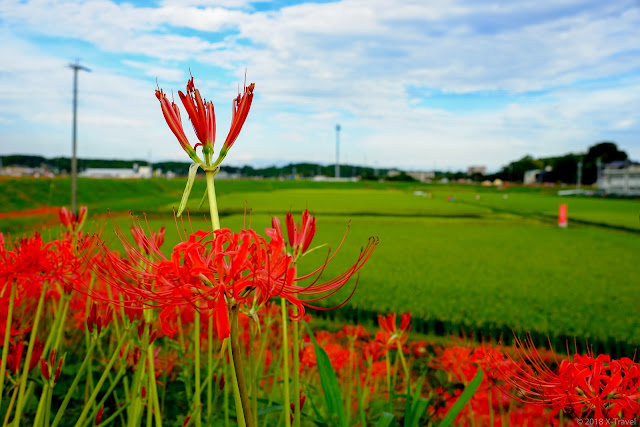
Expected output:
(463, 259)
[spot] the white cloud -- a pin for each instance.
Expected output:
(350, 61)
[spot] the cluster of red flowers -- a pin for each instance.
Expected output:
(213, 270)
(585, 386)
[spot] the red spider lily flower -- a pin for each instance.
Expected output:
(98, 320)
(211, 271)
(299, 242)
(143, 241)
(99, 416)
(70, 220)
(390, 336)
(303, 398)
(171, 114)
(419, 348)
(589, 387)
(239, 113)
(299, 237)
(202, 116)
(354, 332)
(14, 358)
(47, 367)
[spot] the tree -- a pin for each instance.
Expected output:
(607, 152)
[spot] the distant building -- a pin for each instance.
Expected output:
(136, 172)
(227, 175)
(323, 178)
(537, 176)
(422, 176)
(622, 178)
(472, 170)
(19, 171)
(531, 176)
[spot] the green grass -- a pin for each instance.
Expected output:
(488, 265)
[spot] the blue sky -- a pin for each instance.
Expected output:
(413, 84)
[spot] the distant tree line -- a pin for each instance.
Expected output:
(565, 168)
(561, 169)
(306, 170)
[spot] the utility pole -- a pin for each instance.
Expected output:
(579, 174)
(337, 172)
(74, 159)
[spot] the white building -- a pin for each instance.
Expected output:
(471, 170)
(422, 176)
(621, 178)
(136, 172)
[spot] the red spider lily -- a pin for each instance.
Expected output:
(171, 114)
(354, 332)
(96, 320)
(70, 220)
(14, 358)
(299, 237)
(33, 265)
(143, 242)
(202, 116)
(47, 368)
(462, 362)
(99, 416)
(303, 398)
(600, 388)
(212, 270)
(390, 336)
(299, 242)
(239, 113)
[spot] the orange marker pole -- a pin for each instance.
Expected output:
(562, 216)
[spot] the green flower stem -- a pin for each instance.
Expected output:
(296, 374)
(10, 407)
(210, 369)
(27, 362)
(149, 408)
(389, 382)
(114, 318)
(226, 394)
(183, 349)
(405, 368)
(196, 352)
(106, 395)
(60, 329)
(285, 371)
(39, 420)
(103, 377)
(74, 384)
(153, 389)
(236, 390)
(56, 324)
(350, 378)
(213, 204)
(47, 408)
(254, 373)
(239, 369)
(273, 373)
(135, 410)
(5, 344)
(109, 421)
